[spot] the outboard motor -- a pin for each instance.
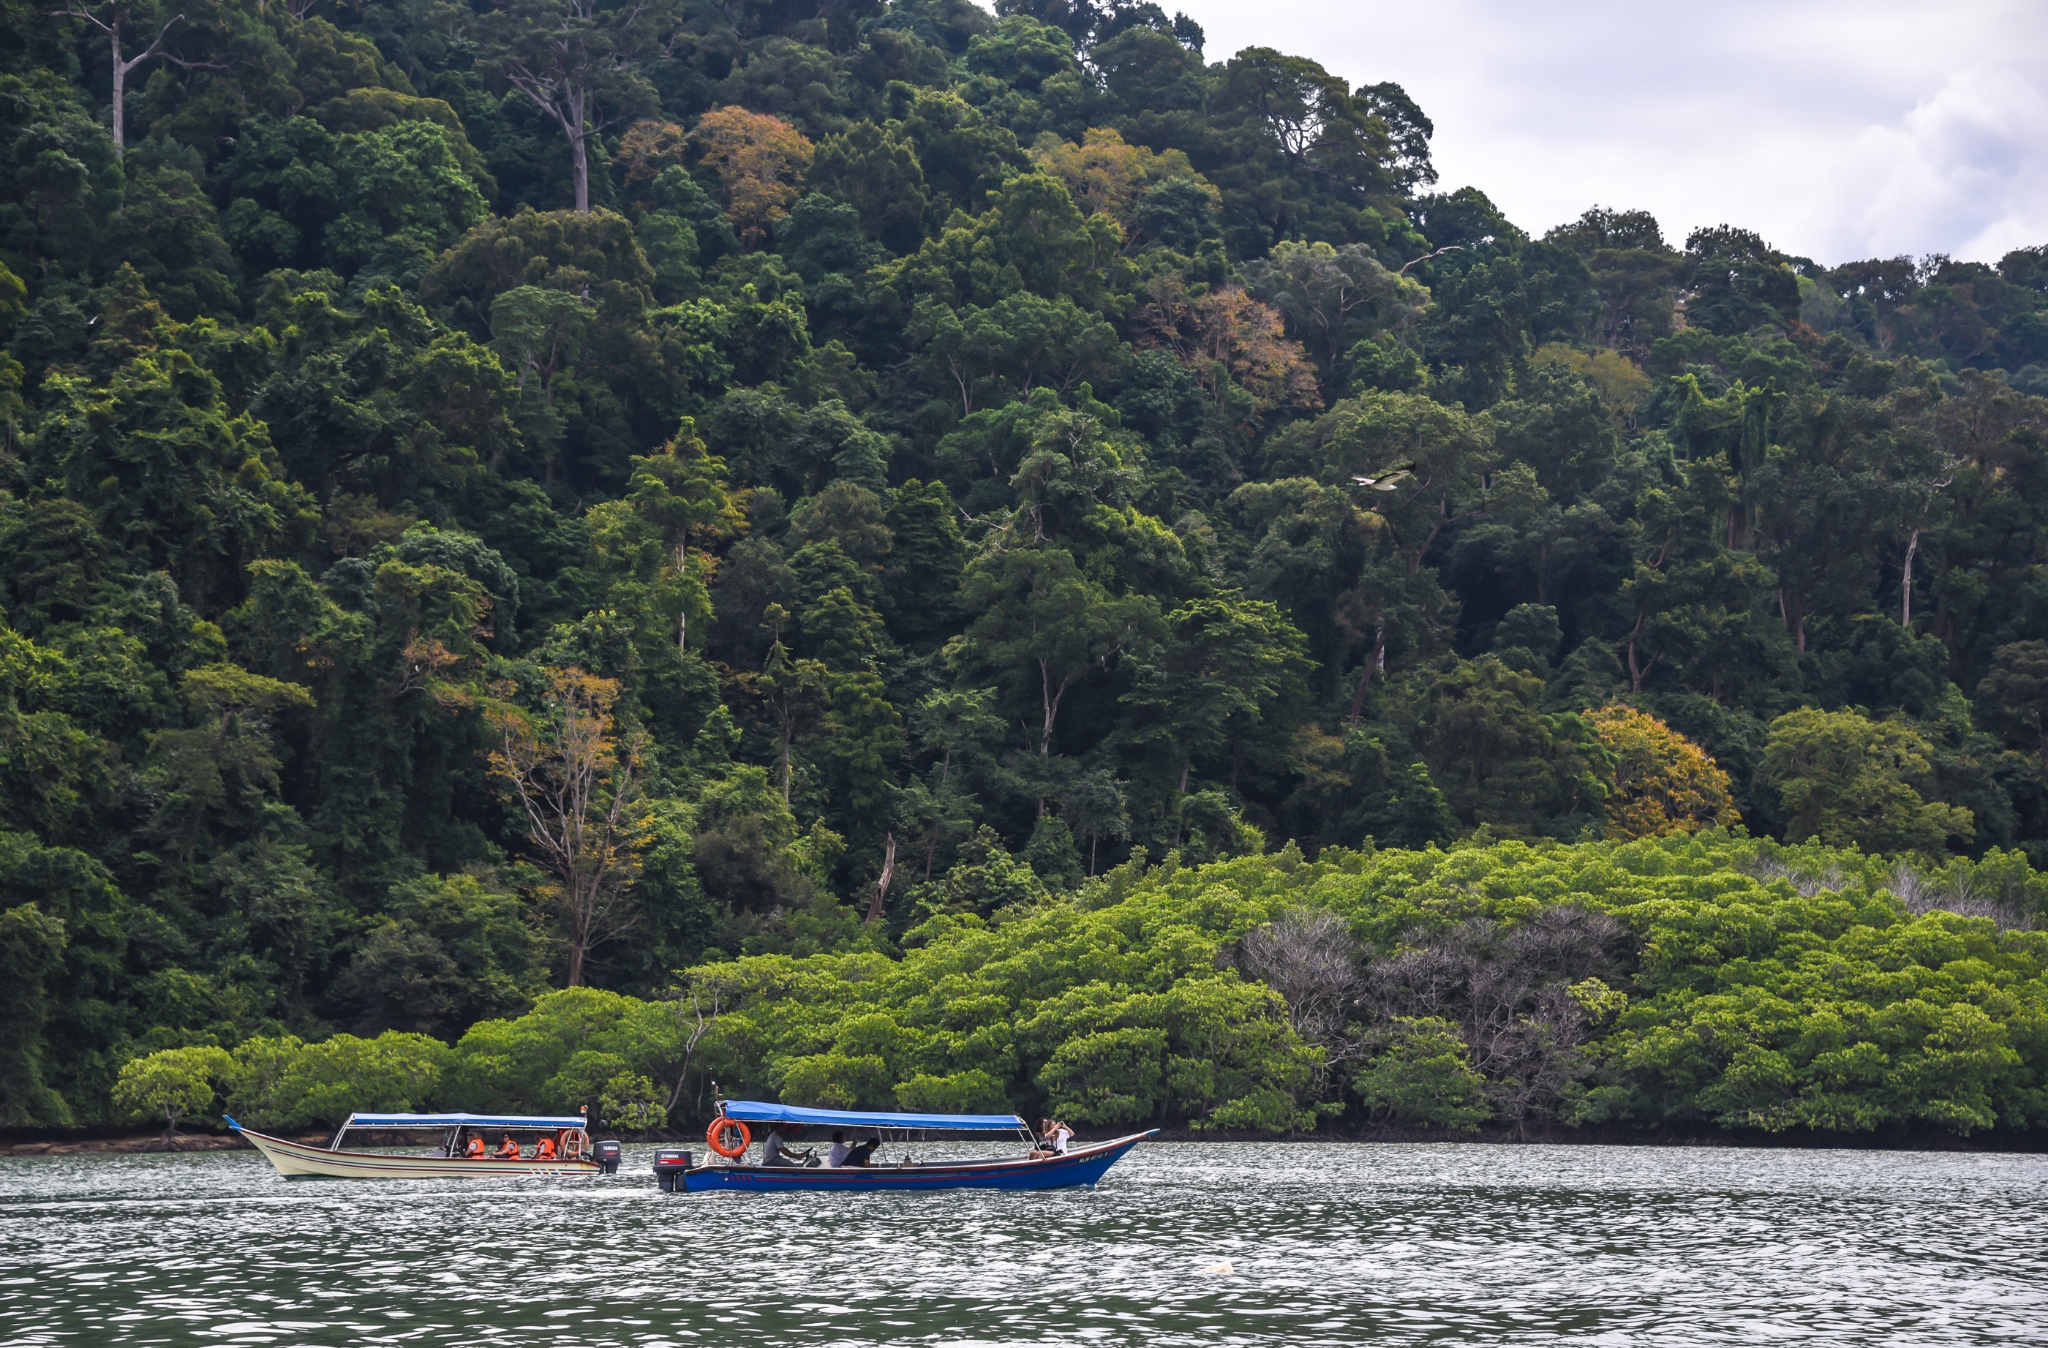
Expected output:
(669, 1165)
(606, 1154)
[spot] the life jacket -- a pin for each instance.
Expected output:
(476, 1149)
(545, 1151)
(508, 1150)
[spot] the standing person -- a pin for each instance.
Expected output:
(837, 1156)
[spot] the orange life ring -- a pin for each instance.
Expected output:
(714, 1137)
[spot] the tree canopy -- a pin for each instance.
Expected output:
(521, 528)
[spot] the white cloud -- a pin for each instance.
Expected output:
(1968, 166)
(1835, 128)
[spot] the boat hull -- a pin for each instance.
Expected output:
(297, 1160)
(1082, 1166)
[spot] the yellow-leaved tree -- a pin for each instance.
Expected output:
(1105, 173)
(1663, 782)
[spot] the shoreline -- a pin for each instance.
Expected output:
(122, 1142)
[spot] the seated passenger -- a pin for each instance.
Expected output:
(775, 1149)
(837, 1156)
(544, 1150)
(475, 1150)
(859, 1155)
(508, 1150)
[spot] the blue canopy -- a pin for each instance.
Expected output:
(466, 1120)
(756, 1111)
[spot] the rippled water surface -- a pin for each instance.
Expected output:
(1182, 1244)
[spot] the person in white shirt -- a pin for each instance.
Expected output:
(1052, 1139)
(837, 1156)
(776, 1150)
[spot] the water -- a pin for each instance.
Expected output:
(1182, 1244)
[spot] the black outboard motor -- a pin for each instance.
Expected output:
(669, 1165)
(606, 1154)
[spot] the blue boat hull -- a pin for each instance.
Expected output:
(1084, 1165)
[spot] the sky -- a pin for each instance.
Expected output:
(1837, 129)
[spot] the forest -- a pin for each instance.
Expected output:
(556, 552)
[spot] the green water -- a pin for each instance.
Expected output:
(1182, 1244)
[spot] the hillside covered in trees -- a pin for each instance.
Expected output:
(1015, 561)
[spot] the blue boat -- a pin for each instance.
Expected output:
(1037, 1169)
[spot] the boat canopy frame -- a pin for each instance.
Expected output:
(760, 1111)
(542, 1121)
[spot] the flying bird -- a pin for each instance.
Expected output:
(1386, 479)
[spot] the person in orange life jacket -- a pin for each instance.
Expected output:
(508, 1150)
(544, 1150)
(475, 1150)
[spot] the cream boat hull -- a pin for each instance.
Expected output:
(297, 1160)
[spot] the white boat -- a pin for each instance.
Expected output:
(463, 1136)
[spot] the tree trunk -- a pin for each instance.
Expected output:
(1187, 767)
(1793, 612)
(881, 899)
(1050, 696)
(579, 156)
(120, 112)
(1637, 673)
(575, 964)
(931, 844)
(1374, 661)
(1906, 582)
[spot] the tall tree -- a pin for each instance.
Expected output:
(115, 19)
(1042, 624)
(576, 60)
(578, 780)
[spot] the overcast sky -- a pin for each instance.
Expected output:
(1837, 129)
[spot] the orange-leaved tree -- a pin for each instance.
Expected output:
(648, 147)
(759, 160)
(1663, 782)
(1236, 347)
(579, 780)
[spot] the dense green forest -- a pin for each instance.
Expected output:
(555, 551)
